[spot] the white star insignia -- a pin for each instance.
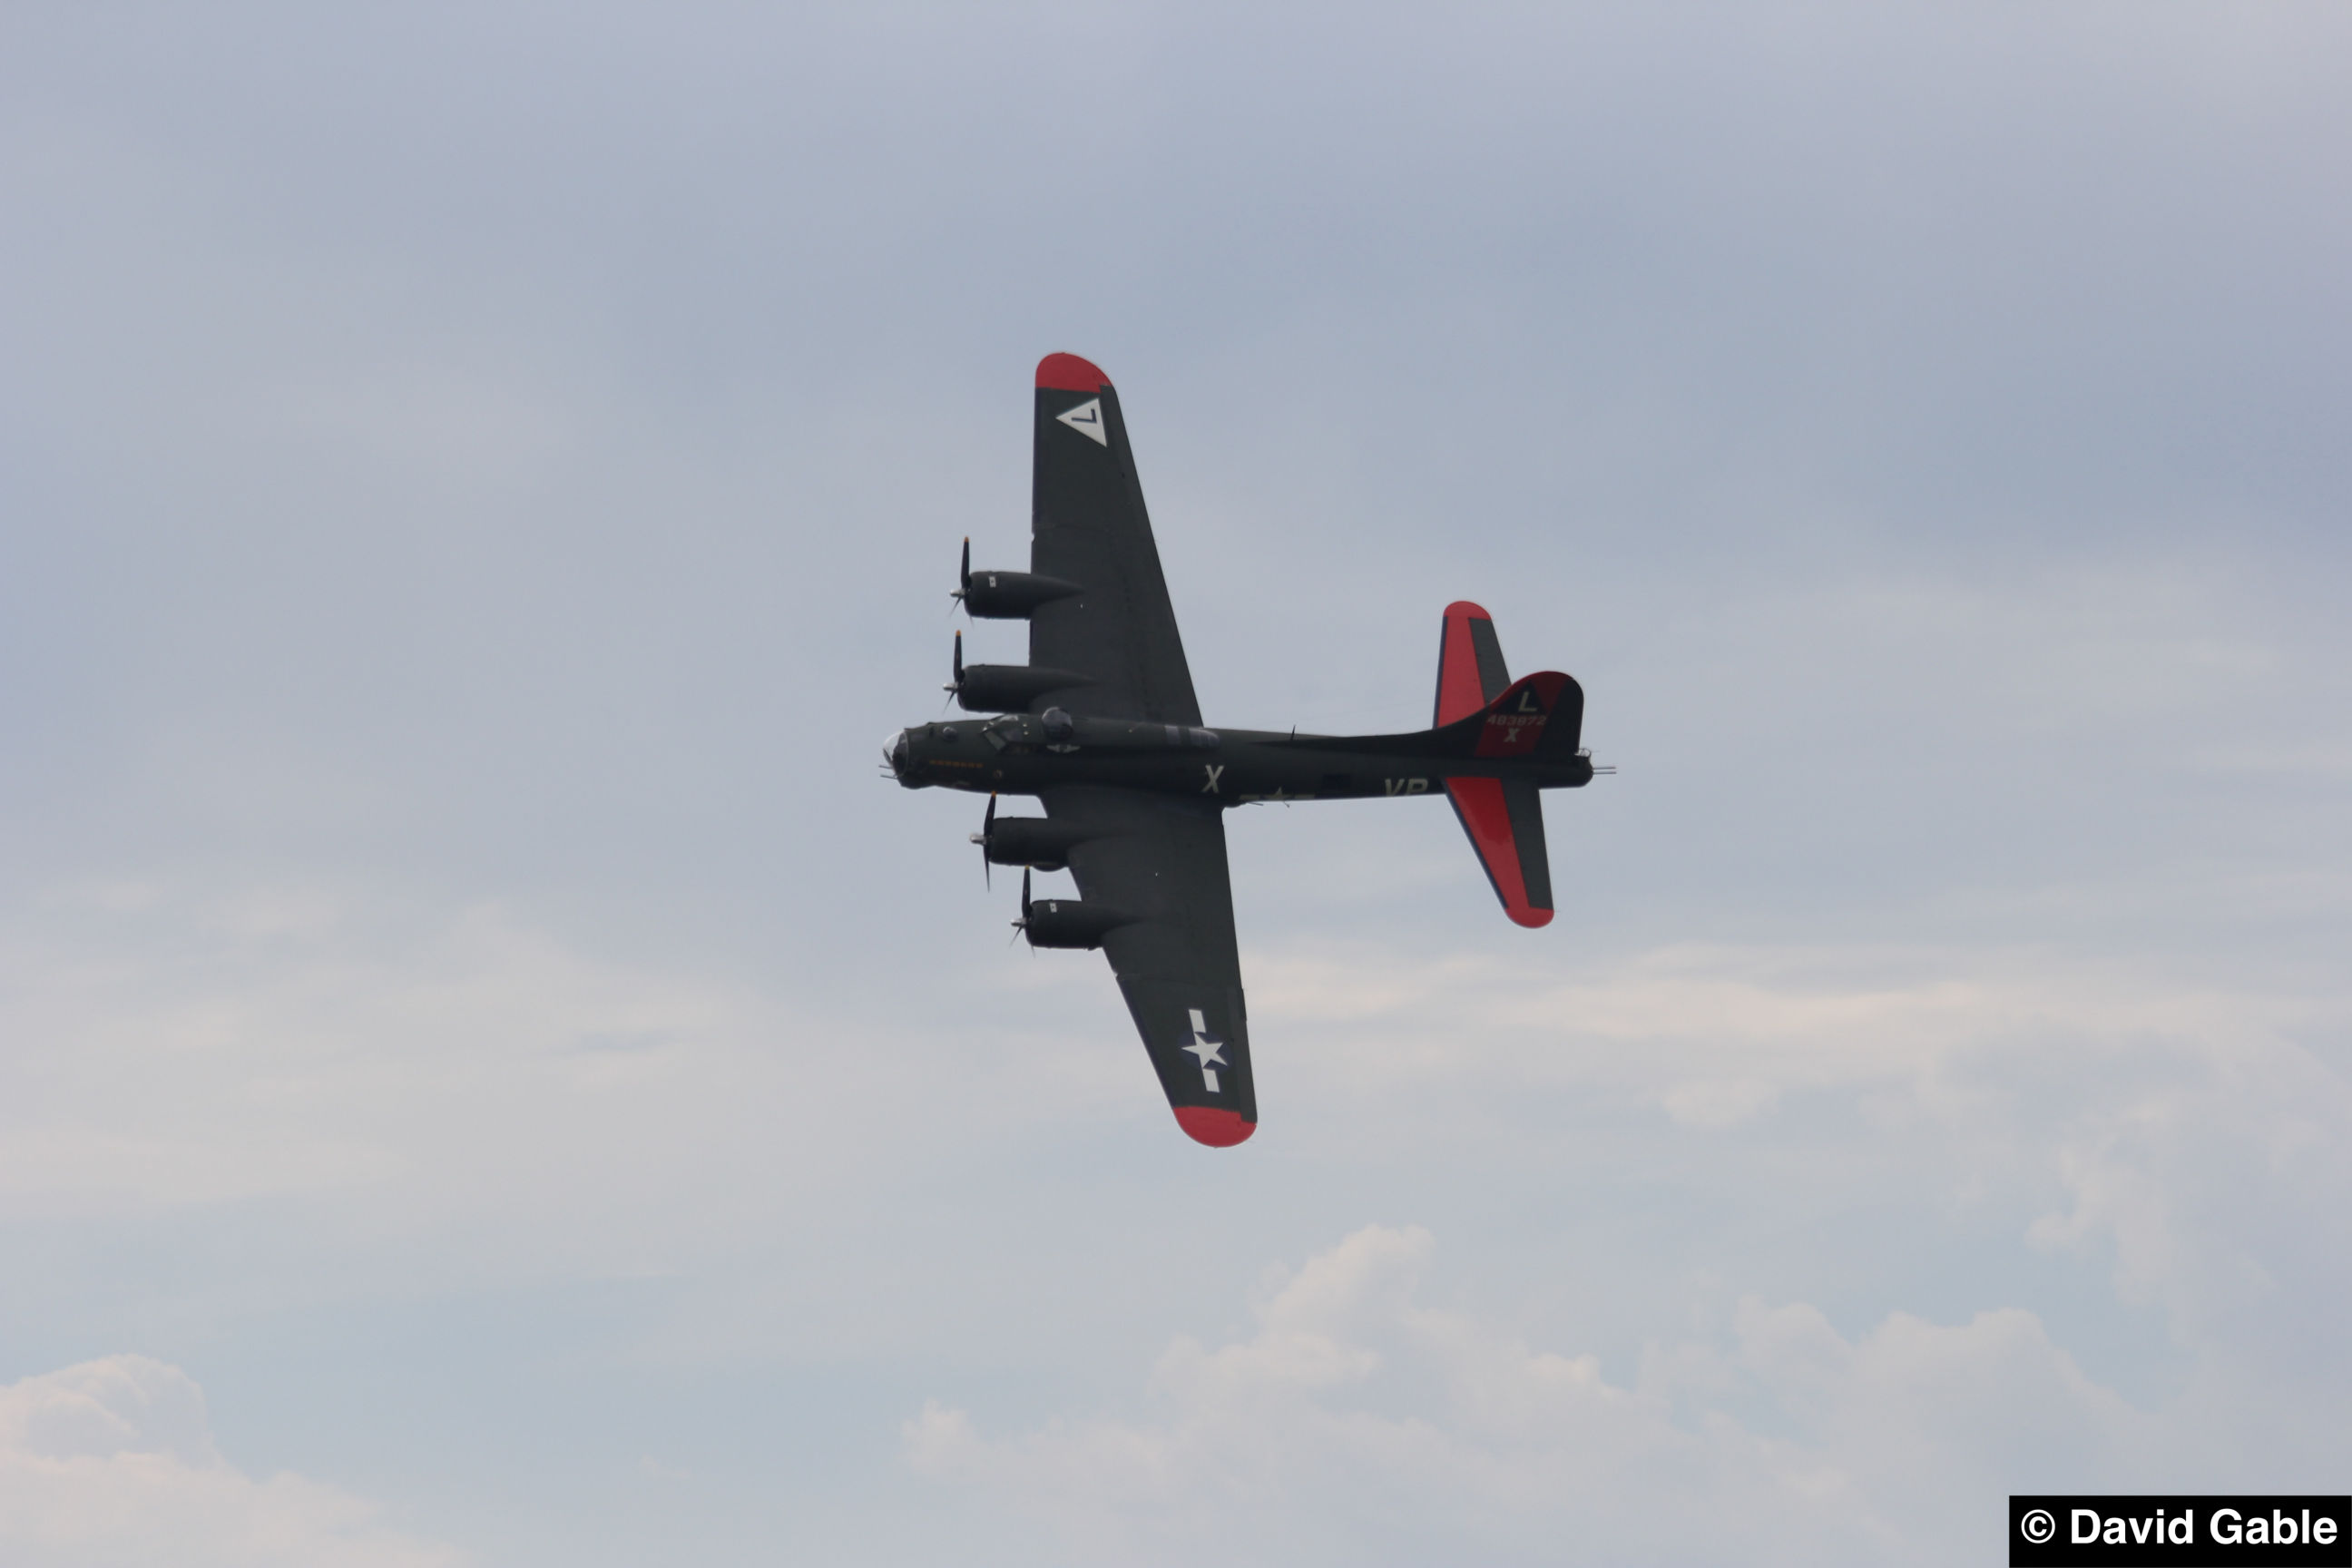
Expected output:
(1208, 1050)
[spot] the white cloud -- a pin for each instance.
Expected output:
(459, 1097)
(467, 1100)
(2199, 1127)
(461, 1104)
(1357, 1425)
(1715, 1035)
(112, 1462)
(2185, 1136)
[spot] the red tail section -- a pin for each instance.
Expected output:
(1516, 719)
(1470, 668)
(1505, 821)
(1502, 816)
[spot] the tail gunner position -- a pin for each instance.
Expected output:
(1100, 725)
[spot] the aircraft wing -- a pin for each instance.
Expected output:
(1161, 859)
(1088, 526)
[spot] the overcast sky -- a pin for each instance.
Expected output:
(491, 1074)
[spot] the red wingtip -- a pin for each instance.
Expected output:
(1068, 373)
(1464, 608)
(1529, 916)
(1217, 1128)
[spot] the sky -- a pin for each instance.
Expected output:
(490, 1073)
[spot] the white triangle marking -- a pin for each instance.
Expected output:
(1086, 420)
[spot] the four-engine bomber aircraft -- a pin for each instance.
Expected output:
(1101, 726)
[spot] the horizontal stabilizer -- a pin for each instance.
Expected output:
(1503, 818)
(1470, 668)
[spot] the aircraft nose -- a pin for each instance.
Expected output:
(894, 751)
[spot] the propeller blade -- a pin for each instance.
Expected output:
(987, 826)
(956, 685)
(963, 573)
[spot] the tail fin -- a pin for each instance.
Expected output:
(1481, 712)
(1472, 678)
(1503, 818)
(1470, 668)
(1536, 716)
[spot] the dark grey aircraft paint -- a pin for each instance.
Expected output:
(1102, 727)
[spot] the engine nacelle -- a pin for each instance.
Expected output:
(1070, 922)
(1035, 841)
(1007, 688)
(1013, 595)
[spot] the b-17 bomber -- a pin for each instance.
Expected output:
(1101, 727)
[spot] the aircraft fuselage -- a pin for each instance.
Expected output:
(1024, 754)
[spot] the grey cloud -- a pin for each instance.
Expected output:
(113, 1461)
(476, 481)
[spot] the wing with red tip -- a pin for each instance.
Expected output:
(1160, 860)
(1088, 526)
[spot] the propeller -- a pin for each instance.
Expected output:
(1021, 926)
(955, 687)
(986, 823)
